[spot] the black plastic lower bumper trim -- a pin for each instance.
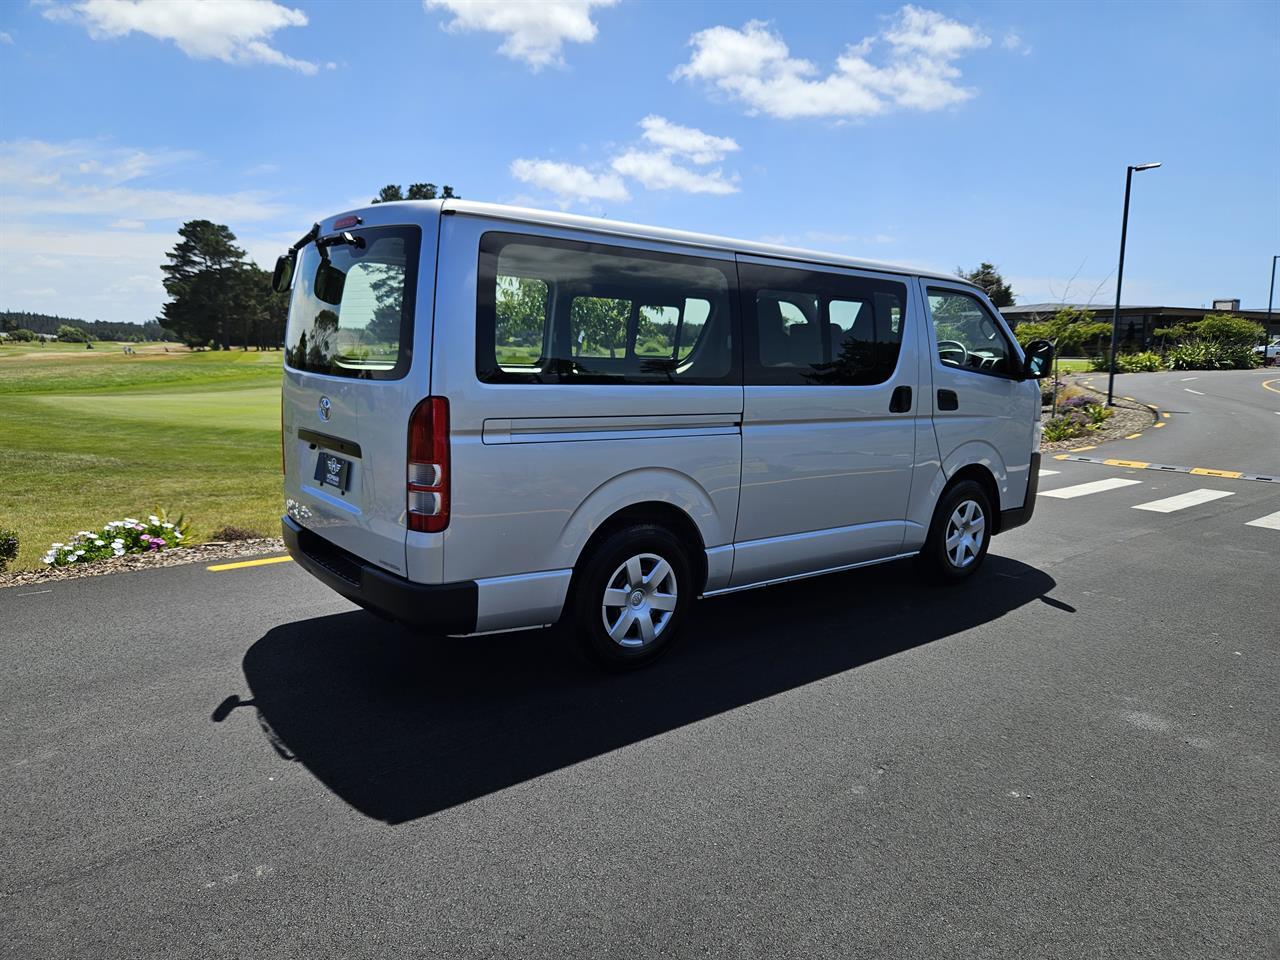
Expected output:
(437, 608)
(1020, 515)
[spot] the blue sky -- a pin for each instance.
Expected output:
(937, 134)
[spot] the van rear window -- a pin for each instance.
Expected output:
(560, 311)
(351, 314)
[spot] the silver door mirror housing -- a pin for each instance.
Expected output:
(1037, 360)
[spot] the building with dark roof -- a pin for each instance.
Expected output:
(1136, 324)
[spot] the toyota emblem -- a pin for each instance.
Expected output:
(326, 409)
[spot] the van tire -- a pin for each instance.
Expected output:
(646, 616)
(964, 509)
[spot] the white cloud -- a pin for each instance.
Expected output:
(87, 224)
(234, 31)
(569, 182)
(686, 141)
(655, 170)
(916, 72)
(1013, 41)
(535, 31)
(6, 38)
(654, 166)
(88, 179)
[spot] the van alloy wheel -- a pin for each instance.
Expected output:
(965, 532)
(639, 600)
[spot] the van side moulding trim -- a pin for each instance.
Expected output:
(812, 573)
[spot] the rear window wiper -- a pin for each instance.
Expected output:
(345, 238)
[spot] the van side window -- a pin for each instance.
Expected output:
(821, 329)
(967, 336)
(561, 311)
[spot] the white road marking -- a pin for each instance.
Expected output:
(1185, 379)
(1196, 392)
(1271, 521)
(1184, 500)
(1050, 473)
(1084, 489)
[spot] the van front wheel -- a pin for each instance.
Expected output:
(959, 535)
(632, 593)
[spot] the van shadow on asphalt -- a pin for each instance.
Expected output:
(401, 726)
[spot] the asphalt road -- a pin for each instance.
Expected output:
(1075, 754)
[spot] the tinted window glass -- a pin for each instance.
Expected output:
(351, 311)
(557, 311)
(967, 336)
(521, 316)
(819, 328)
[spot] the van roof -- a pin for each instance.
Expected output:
(622, 228)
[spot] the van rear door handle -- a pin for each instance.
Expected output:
(900, 402)
(947, 400)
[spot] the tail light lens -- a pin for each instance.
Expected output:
(428, 468)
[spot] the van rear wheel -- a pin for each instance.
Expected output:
(632, 593)
(959, 534)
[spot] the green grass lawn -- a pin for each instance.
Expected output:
(1074, 365)
(88, 436)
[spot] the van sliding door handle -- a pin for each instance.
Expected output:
(947, 400)
(900, 402)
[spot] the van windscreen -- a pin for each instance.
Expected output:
(351, 313)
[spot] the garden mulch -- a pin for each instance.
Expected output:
(198, 553)
(1130, 417)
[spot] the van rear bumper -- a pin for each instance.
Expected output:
(437, 608)
(1020, 515)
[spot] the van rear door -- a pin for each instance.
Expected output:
(356, 364)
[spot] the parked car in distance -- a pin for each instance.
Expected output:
(497, 418)
(1270, 353)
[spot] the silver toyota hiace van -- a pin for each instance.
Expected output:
(497, 418)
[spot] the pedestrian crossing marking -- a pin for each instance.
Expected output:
(1271, 521)
(1183, 500)
(1048, 473)
(1093, 486)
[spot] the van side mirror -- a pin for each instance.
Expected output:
(1037, 360)
(283, 276)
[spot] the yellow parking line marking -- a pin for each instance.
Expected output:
(218, 567)
(1060, 456)
(1206, 472)
(1131, 398)
(1267, 385)
(1136, 464)
(1158, 425)
(1078, 449)
(1133, 436)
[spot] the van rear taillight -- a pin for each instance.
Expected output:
(428, 468)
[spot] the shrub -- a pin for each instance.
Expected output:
(1227, 328)
(1065, 427)
(1078, 402)
(22, 334)
(8, 548)
(69, 334)
(117, 538)
(1200, 354)
(1147, 361)
(1097, 414)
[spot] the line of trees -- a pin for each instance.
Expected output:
(18, 323)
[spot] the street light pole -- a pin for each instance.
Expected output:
(1266, 333)
(1115, 314)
